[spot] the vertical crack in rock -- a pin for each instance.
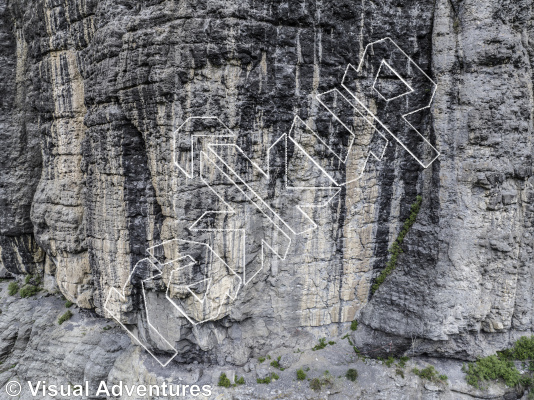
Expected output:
(143, 213)
(20, 155)
(60, 190)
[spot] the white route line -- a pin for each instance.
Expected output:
(264, 243)
(190, 175)
(370, 122)
(343, 161)
(188, 287)
(214, 159)
(359, 71)
(398, 76)
(122, 297)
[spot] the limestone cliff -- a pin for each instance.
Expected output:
(94, 95)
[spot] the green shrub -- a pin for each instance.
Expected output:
(240, 381)
(351, 375)
(29, 290)
(331, 343)
(13, 288)
(395, 248)
(348, 338)
(354, 325)
(321, 345)
(34, 279)
(275, 364)
(64, 317)
(523, 349)
(268, 379)
(224, 381)
(389, 362)
(68, 304)
(315, 384)
(429, 373)
(261, 359)
(501, 366)
(301, 375)
(327, 380)
(492, 368)
(426, 373)
(402, 362)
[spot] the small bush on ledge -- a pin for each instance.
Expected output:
(322, 344)
(351, 375)
(301, 375)
(224, 381)
(315, 384)
(429, 373)
(64, 317)
(29, 291)
(13, 288)
(501, 366)
(268, 379)
(354, 325)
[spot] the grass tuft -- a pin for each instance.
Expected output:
(351, 375)
(28, 291)
(429, 373)
(396, 249)
(268, 379)
(501, 366)
(301, 375)
(321, 345)
(13, 288)
(315, 384)
(64, 317)
(224, 381)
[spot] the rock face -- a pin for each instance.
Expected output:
(33, 347)
(97, 138)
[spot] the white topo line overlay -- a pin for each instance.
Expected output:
(359, 71)
(211, 157)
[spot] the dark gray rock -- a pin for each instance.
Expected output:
(92, 91)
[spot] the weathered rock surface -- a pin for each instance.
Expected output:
(91, 93)
(87, 348)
